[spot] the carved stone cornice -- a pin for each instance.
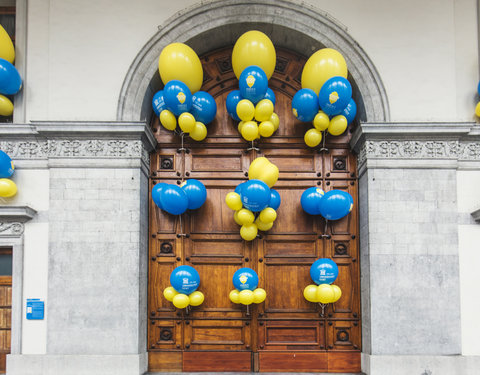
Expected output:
(12, 219)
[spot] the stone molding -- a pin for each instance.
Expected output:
(12, 219)
(476, 215)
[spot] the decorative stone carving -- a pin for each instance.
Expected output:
(11, 229)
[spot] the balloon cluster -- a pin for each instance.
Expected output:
(332, 205)
(10, 80)
(254, 201)
(191, 194)
(184, 281)
(326, 96)
(245, 281)
(253, 61)
(323, 272)
(8, 188)
(180, 101)
(477, 107)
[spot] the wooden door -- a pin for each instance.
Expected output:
(5, 305)
(285, 333)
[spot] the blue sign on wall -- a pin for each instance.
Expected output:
(35, 309)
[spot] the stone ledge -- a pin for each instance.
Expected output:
(19, 214)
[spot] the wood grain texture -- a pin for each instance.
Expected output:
(217, 361)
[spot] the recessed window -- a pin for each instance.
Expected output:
(5, 262)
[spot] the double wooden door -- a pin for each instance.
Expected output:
(285, 333)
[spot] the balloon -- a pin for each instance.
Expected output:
(235, 217)
(337, 293)
(255, 195)
(311, 199)
(324, 271)
(168, 120)
(177, 61)
(187, 122)
(185, 279)
(305, 105)
(250, 130)
(245, 110)
(233, 201)
(310, 293)
(263, 110)
(312, 137)
(325, 293)
(321, 66)
(275, 199)
(6, 106)
(234, 296)
(245, 216)
(6, 165)
(253, 83)
(10, 80)
(196, 298)
(263, 226)
(204, 107)
(350, 111)
(245, 278)
(335, 95)
(173, 199)
(270, 95)
(256, 167)
(259, 295)
(8, 188)
(246, 297)
(338, 124)
(275, 120)
(335, 204)
(157, 192)
(321, 121)
(158, 103)
(232, 101)
(249, 232)
(178, 97)
(169, 293)
(196, 193)
(477, 109)
(199, 132)
(262, 169)
(180, 301)
(253, 48)
(266, 129)
(7, 50)
(239, 188)
(268, 215)
(240, 126)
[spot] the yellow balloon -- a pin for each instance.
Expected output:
(181, 301)
(321, 66)
(199, 133)
(266, 129)
(179, 61)
(256, 167)
(268, 215)
(249, 232)
(187, 122)
(234, 296)
(477, 109)
(196, 298)
(262, 169)
(245, 216)
(7, 50)
(250, 131)
(245, 110)
(8, 188)
(325, 293)
(6, 106)
(169, 293)
(263, 110)
(234, 201)
(240, 126)
(275, 120)
(310, 293)
(321, 121)
(312, 137)
(337, 293)
(168, 120)
(235, 217)
(338, 125)
(259, 295)
(245, 297)
(254, 48)
(263, 226)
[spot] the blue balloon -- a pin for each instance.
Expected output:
(178, 97)
(270, 95)
(305, 105)
(196, 193)
(10, 80)
(204, 107)
(6, 165)
(253, 83)
(158, 103)
(245, 279)
(157, 192)
(185, 279)
(310, 200)
(335, 204)
(335, 95)
(478, 88)
(275, 199)
(173, 199)
(350, 111)
(232, 100)
(324, 271)
(239, 187)
(255, 195)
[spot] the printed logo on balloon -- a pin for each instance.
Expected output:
(182, 292)
(245, 281)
